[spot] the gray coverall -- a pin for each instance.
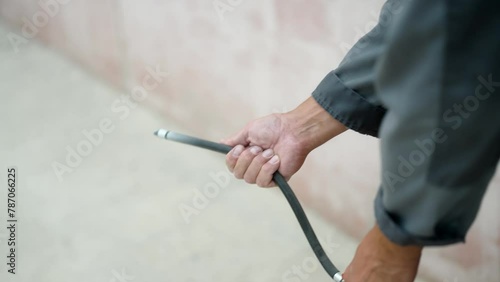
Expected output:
(426, 81)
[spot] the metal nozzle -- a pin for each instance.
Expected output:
(162, 133)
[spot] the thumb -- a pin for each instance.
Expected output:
(240, 138)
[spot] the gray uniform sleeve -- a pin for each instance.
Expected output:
(348, 93)
(440, 138)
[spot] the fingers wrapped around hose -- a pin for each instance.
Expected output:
(253, 164)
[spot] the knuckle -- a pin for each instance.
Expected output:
(229, 164)
(249, 178)
(263, 181)
(262, 160)
(246, 155)
(271, 185)
(269, 168)
(238, 173)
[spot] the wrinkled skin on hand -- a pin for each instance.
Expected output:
(262, 147)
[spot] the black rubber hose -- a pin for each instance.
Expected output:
(282, 184)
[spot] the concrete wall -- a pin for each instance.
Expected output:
(230, 61)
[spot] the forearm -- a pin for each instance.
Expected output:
(312, 125)
(392, 250)
(379, 259)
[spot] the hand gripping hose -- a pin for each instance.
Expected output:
(285, 188)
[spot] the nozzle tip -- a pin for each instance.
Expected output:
(161, 133)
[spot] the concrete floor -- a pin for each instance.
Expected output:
(117, 216)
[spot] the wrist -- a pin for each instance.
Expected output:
(395, 251)
(312, 125)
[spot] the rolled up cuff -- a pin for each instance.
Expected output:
(348, 106)
(392, 228)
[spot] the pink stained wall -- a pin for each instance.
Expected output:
(258, 57)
